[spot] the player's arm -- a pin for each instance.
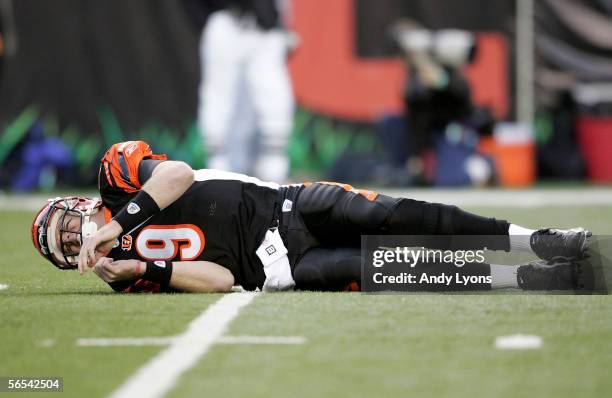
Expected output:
(169, 180)
(201, 277)
(121, 170)
(184, 276)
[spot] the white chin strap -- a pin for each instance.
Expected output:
(88, 227)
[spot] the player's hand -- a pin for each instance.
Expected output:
(100, 242)
(120, 270)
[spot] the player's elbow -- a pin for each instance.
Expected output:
(216, 286)
(180, 173)
(184, 174)
(224, 284)
(219, 282)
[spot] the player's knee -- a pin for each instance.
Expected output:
(318, 198)
(276, 128)
(308, 276)
(328, 269)
(366, 213)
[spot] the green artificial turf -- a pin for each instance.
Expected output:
(356, 345)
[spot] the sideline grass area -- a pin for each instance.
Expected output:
(357, 345)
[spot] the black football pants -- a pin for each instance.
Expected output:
(324, 237)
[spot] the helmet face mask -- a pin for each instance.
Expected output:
(49, 229)
(66, 252)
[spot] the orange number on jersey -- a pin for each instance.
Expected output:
(163, 242)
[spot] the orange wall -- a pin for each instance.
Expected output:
(329, 78)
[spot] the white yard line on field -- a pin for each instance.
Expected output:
(261, 340)
(160, 374)
(2, 286)
(518, 342)
(125, 341)
(161, 341)
(46, 343)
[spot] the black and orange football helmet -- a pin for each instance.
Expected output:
(49, 228)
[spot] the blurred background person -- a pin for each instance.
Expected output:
(437, 96)
(246, 103)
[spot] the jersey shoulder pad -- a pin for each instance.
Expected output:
(119, 165)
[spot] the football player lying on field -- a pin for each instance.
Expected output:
(162, 226)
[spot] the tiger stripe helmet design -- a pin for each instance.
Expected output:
(48, 227)
(120, 164)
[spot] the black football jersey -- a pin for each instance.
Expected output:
(221, 218)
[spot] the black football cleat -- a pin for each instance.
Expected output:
(551, 244)
(548, 275)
